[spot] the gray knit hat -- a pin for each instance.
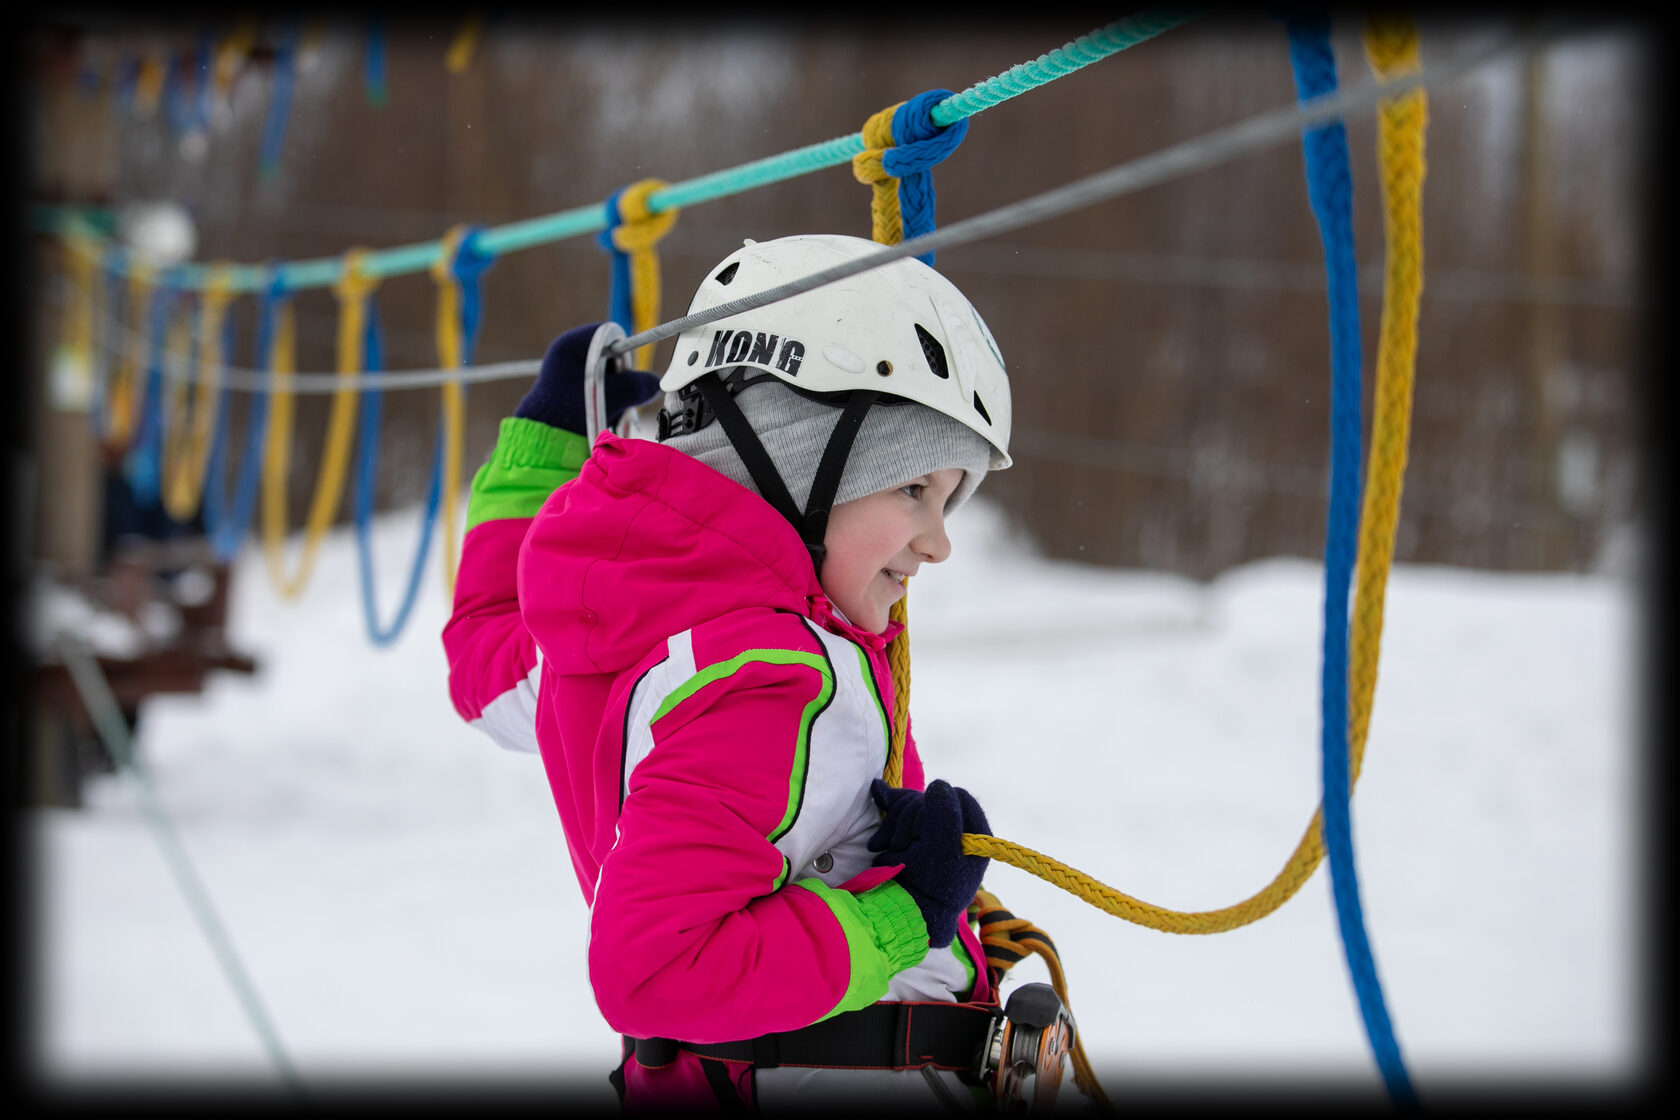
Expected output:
(900, 440)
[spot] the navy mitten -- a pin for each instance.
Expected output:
(556, 398)
(922, 829)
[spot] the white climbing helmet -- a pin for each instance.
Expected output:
(901, 329)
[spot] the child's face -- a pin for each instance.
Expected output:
(876, 542)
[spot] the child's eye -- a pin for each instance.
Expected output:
(913, 489)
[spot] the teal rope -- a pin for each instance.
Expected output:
(385, 263)
(1083, 51)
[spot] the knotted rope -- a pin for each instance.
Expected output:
(459, 267)
(633, 230)
(901, 146)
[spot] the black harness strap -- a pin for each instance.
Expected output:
(896, 1035)
(748, 447)
(811, 525)
(826, 483)
(723, 1087)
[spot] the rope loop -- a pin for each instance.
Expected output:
(127, 397)
(188, 454)
(352, 289)
(458, 269)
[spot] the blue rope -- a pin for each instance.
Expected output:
(375, 63)
(226, 534)
(919, 144)
(206, 66)
(215, 492)
(618, 283)
(366, 464)
(1330, 191)
(472, 261)
(279, 107)
(141, 466)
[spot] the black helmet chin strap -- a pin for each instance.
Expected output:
(812, 524)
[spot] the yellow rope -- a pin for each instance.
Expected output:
(450, 347)
(1003, 935)
(123, 403)
(887, 227)
(1006, 940)
(885, 220)
(186, 452)
(459, 55)
(352, 290)
(177, 353)
(1391, 45)
(638, 231)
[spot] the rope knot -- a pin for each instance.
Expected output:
(218, 287)
(901, 146)
(919, 144)
(354, 284)
(638, 228)
(632, 231)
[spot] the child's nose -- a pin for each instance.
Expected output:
(933, 543)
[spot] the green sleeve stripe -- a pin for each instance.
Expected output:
(530, 462)
(884, 933)
(723, 669)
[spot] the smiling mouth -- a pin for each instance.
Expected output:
(897, 577)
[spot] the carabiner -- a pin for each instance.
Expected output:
(596, 366)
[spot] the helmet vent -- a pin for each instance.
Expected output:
(934, 353)
(727, 274)
(981, 409)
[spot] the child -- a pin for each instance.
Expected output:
(692, 634)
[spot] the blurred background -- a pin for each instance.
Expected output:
(1168, 350)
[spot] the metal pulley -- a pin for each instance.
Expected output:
(1028, 1047)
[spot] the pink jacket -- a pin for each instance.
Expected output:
(709, 727)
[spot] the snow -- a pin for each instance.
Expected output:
(399, 890)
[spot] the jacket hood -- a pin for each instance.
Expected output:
(647, 542)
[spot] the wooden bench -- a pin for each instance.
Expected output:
(179, 576)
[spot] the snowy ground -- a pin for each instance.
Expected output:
(398, 887)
